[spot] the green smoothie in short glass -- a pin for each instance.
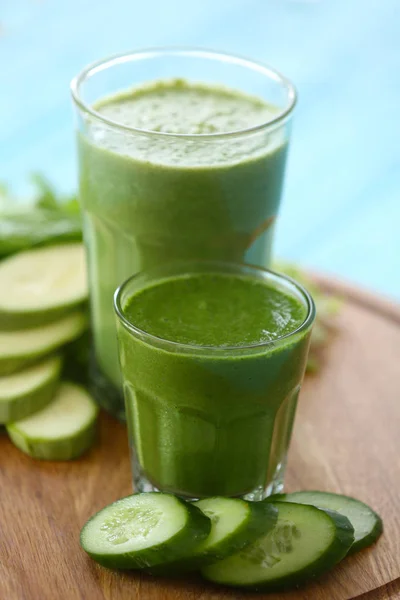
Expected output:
(212, 360)
(172, 170)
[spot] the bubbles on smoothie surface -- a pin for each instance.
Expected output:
(176, 106)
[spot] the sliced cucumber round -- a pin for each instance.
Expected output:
(30, 390)
(304, 543)
(38, 285)
(235, 524)
(24, 347)
(367, 524)
(63, 430)
(144, 530)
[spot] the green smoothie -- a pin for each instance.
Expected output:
(152, 198)
(210, 412)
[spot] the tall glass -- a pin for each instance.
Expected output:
(209, 421)
(150, 197)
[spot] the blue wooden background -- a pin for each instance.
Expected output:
(341, 209)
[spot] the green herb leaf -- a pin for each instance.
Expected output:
(47, 218)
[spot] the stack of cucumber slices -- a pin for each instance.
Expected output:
(43, 296)
(282, 542)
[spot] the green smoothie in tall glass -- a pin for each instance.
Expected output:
(174, 170)
(212, 361)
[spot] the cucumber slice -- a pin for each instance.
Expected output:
(144, 530)
(28, 391)
(304, 543)
(234, 525)
(367, 523)
(63, 430)
(37, 286)
(24, 347)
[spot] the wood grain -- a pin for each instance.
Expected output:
(391, 591)
(346, 439)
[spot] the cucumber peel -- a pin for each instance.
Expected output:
(41, 284)
(368, 525)
(227, 535)
(305, 543)
(144, 530)
(63, 430)
(24, 347)
(30, 390)
(235, 524)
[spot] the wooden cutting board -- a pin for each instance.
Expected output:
(346, 439)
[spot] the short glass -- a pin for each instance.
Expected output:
(206, 421)
(153, 197)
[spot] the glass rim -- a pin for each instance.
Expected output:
(118, 59)
(223, 266)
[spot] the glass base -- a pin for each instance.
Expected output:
(104, 391)
(274, 487)
(141, 483)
